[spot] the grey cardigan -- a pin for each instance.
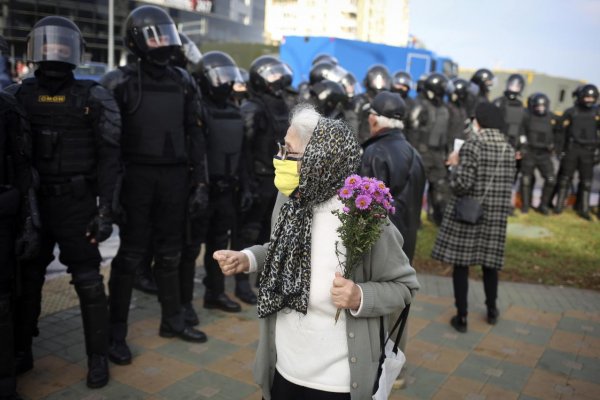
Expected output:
(388, 283)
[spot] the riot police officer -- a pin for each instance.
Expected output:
(15, 217)
(163, 151)
(402, 84)
(329, 97)
(457, 106)
(431, 121)
(266, 117)
(377, 79)
(512, 108)
(224, 130)
(484, 79)
(76, 130)
(539, 125)
(580, 124)
(324, 57)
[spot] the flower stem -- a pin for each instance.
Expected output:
(337, 314)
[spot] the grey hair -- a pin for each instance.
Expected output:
(304, 118)
(385, 122)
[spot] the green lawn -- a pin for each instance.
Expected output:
(569, 255)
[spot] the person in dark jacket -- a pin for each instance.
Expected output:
(389, 157)
(483, 169)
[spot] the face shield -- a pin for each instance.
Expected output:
(191, 53)
(224, 75)
(273, 73)
(157, 36)
(54, 43)
(514, 85)
(490, 83)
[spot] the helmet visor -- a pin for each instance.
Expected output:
(192, 53)
(336, 74)
(156, 36)
(54, 43)
(514, 85)
(380, 81)
(274, 72)
(222, 75)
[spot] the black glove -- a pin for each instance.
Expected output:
(100, 227)
(246, 200)
(28, 243)
(198, 201)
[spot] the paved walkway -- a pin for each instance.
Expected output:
(546, 345)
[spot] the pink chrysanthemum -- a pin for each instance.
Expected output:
(363, 202)
(353, 181)
(345, 192)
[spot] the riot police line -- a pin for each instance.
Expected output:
(177, 149)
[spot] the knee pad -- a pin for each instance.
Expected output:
(90, 292)
(167, 262)
(586, 185)
(526, 180)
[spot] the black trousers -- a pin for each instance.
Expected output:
(154, 198)
(255, 225)
(542, 160)
(577, 158)
(283, 389)
(8, 382)
(460, 281)
(64, 222)
(437, 176)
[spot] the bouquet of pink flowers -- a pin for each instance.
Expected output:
(367, 203)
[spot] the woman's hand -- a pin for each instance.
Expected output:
(232, 262)
(345, 293)
(453, 159)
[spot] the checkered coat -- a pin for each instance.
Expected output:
(463, 244)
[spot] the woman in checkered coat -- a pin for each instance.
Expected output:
(486, 161)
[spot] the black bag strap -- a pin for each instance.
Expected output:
(400, 324)
(495, 173)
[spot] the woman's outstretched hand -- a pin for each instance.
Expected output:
(232, 262)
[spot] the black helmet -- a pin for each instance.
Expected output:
(349, 83)
(587, 95)
(461, 89)
(217, 73)
(4, 50)
(435, 86)
(269, 74)
(484, 78)
(187, 54)
(325, 57)
(377, 79)
(55, 39)
(538, 104)
(320, 71)
(326, 70)
(402, 83)
(151, 34)
(514, 86)
(327, 95)
(421, 83)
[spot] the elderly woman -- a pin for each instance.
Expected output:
(302, 353)
(483, 169)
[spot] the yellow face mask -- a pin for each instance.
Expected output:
(287, 177)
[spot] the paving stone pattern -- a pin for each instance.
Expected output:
(546, 345)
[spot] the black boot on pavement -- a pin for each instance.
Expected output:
(97, 375)
(221, 302)
(459, 323)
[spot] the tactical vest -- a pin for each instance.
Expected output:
(277, 115)
(458, 116)
(225, 136)
(513, 117)
(154, 132)
(62, 134)
(435, 134)
(540, 132)
(583, 127)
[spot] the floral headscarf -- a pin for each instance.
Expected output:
(331, 155)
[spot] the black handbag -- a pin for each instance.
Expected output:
(469, 209)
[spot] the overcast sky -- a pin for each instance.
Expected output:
(556, 37)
